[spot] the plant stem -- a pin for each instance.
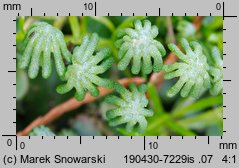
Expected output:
(199, 105)
(170, 29)
(162, 117)
(73, 104)
(75, 27)
(203, 120)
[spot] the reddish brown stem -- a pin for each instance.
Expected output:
(73, 104)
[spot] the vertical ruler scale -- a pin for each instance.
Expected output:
(118, 151)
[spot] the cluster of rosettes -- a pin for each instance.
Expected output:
(41, 131)
(83, 73)
(216, 71)
(139, 44)
(193, 70)
(131, 108)
(42, 41)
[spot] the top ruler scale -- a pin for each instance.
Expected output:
(136, 148)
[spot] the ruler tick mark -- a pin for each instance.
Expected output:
(16, 142)
(223, 12)
(230, 16)
(144, 142)
(95, 8)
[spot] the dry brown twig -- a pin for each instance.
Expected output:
(170, 30)
(72, 104)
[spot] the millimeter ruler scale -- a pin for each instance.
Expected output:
(119, 151)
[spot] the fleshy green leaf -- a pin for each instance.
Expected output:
(192, 71)
(140, 46)
(83, 73)
(216, 71)
(131, 108)
(40, 42)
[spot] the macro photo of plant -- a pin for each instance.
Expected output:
(119, 76)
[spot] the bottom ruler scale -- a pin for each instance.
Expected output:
(102, 151)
